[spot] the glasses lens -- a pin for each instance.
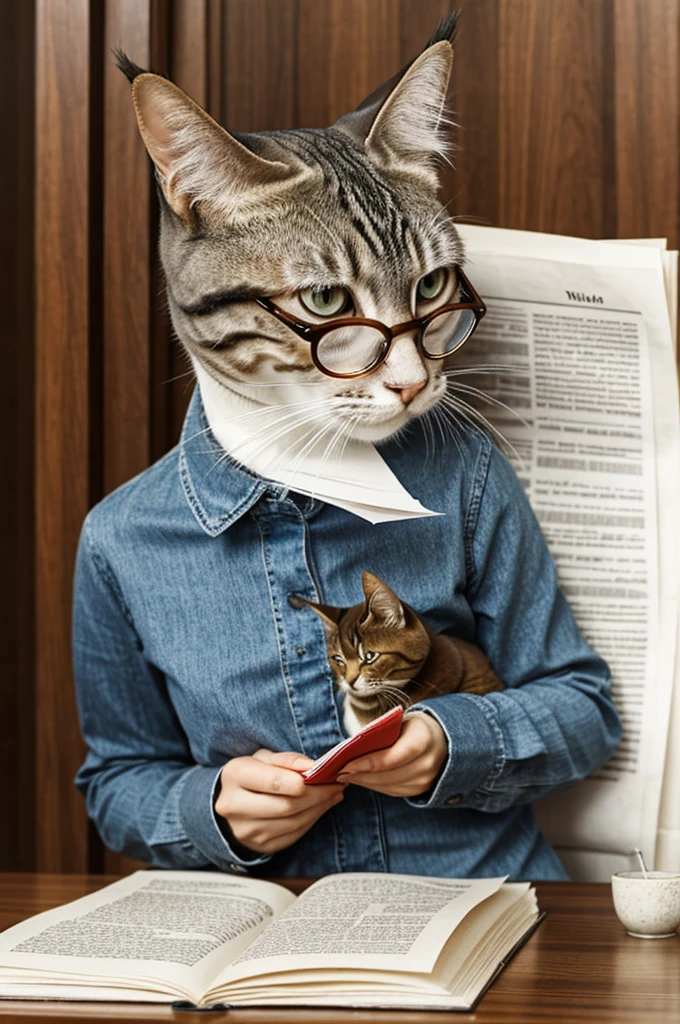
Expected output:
(350, 349)
(447, 332)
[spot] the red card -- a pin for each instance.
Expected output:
(377, 735)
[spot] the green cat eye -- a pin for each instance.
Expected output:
(338, 660)
(324, 301)
(370, 657)
(431, 285)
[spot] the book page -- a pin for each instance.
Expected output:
(474, 952)
(164, 931)
(590, 417)
(388, 922)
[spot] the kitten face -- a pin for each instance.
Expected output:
(375, 649)
(351, 209)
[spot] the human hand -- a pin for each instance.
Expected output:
(266, 803)
(409, 766)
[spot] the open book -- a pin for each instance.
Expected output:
(577, 356)
(369, 940)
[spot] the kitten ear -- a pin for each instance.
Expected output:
(402, 121)
(195, 158)
(329, 615)
(383, 607)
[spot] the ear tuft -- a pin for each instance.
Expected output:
(446, 29)
(127, 66)
(411, 130)
(360, 122)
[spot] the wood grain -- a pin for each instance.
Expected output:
(127, 255)
(62, 214)
(346, 49)
(17, 525)
(647, 119)
(579, 966)
(550, 119)
(259, 58)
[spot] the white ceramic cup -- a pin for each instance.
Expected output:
(647, 907)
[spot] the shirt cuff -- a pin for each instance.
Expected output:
(475, 749)
(200, 821)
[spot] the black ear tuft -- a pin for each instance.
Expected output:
(127, 66)
(359, 122)
(446, 29)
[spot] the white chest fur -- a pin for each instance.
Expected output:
(350, 720)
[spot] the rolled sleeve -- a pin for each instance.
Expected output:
(475, 749)
(143, 790)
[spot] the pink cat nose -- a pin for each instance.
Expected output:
(407, 392)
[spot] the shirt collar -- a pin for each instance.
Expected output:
(217, 488)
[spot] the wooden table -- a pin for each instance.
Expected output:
(579, 966)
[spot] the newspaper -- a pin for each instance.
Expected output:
(577, 360)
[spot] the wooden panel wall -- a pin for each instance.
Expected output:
(17, 636)
(569, 117)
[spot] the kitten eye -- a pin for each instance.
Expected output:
(370, 657)
(338, 660)
(431, 285)
(325, 301)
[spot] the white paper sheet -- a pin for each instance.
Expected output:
(354, 477)
(585, 328)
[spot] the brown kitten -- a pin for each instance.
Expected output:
(382, 654)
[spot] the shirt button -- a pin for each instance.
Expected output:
(454, 800)
(237, 868)
(301, 651)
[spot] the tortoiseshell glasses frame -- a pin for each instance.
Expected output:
(314, 333)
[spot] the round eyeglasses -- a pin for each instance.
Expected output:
(352, 346)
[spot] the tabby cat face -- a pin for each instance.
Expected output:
(376, 648)
(325, 222)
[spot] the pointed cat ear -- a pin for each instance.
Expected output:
(402, 123)
(383, 607)
(196, 159)
(409, 132)
(326, 612)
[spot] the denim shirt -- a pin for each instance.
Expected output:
(187, 653)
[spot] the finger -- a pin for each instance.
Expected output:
(412, 743)
(412, 785)
(267, 836)
(239, 800)
(395, 776)
(258, 777)
(284, 759)
(402, 753)
(304, 820)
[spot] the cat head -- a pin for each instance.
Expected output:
(376, 647)
(326, 222)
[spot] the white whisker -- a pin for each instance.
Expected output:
(469, 389)
(474, 417)
(486, 368)
(298, 419)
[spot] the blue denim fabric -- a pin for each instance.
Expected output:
(187, 653)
